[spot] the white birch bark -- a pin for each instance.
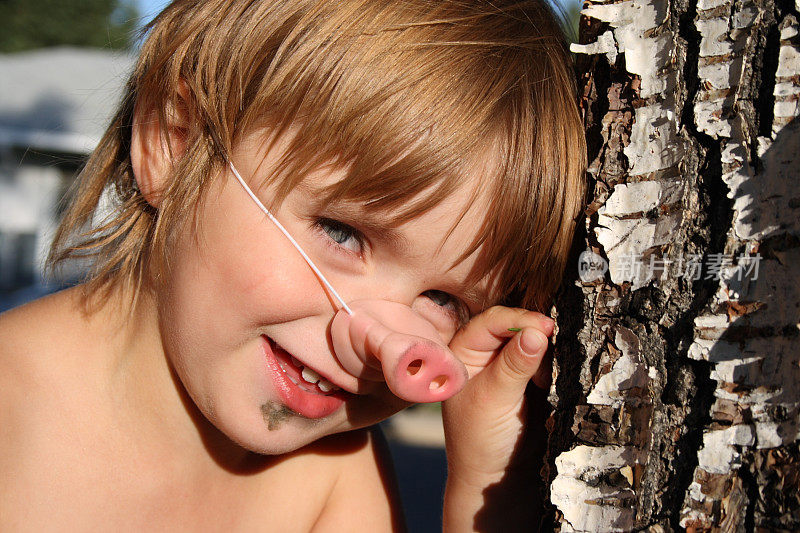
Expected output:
(677, 391)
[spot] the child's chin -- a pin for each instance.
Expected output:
(283, 440)
(283, 447)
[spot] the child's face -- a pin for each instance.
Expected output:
(239, 300)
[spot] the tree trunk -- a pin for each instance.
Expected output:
(677, 391)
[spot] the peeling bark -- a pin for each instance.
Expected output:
(677, 390)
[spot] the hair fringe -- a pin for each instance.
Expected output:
(406, 96)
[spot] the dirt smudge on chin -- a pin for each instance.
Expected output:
(275, 414)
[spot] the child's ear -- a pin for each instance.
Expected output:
(156, 148)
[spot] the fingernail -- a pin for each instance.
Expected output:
(531, 342)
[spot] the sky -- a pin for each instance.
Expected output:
(149, 8)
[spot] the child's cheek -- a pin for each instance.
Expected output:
(246, 266)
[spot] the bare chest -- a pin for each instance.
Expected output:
(79, 484)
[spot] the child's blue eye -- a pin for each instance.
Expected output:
(344, 236)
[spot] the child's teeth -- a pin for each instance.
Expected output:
(325, 385)
(310, 376)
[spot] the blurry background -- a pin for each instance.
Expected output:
(62, 67)
(63, 64)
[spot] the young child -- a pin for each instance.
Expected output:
(426, 154)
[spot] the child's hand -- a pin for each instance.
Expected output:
(484, 422)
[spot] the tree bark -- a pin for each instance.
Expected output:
(677, 390)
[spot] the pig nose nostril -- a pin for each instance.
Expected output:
(438, 383)
(414, 367)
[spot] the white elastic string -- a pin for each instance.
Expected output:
(291, 239)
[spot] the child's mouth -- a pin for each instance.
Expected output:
(304, 377)
(300, 387)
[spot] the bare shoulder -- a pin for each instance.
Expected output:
(31, 338)
(22, 337)
(37, 341)
(32, 335)
(364, 496)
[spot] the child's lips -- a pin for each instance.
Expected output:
(297, 393)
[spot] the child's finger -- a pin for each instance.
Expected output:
(489, 330)
(508, 375)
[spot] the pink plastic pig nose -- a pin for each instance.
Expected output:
(415, 363)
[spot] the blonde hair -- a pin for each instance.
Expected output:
(404, 94)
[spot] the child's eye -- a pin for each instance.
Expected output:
(449, 304)
(344, 236)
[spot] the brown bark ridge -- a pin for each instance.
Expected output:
(677, 360)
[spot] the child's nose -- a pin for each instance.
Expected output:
(407, 348)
